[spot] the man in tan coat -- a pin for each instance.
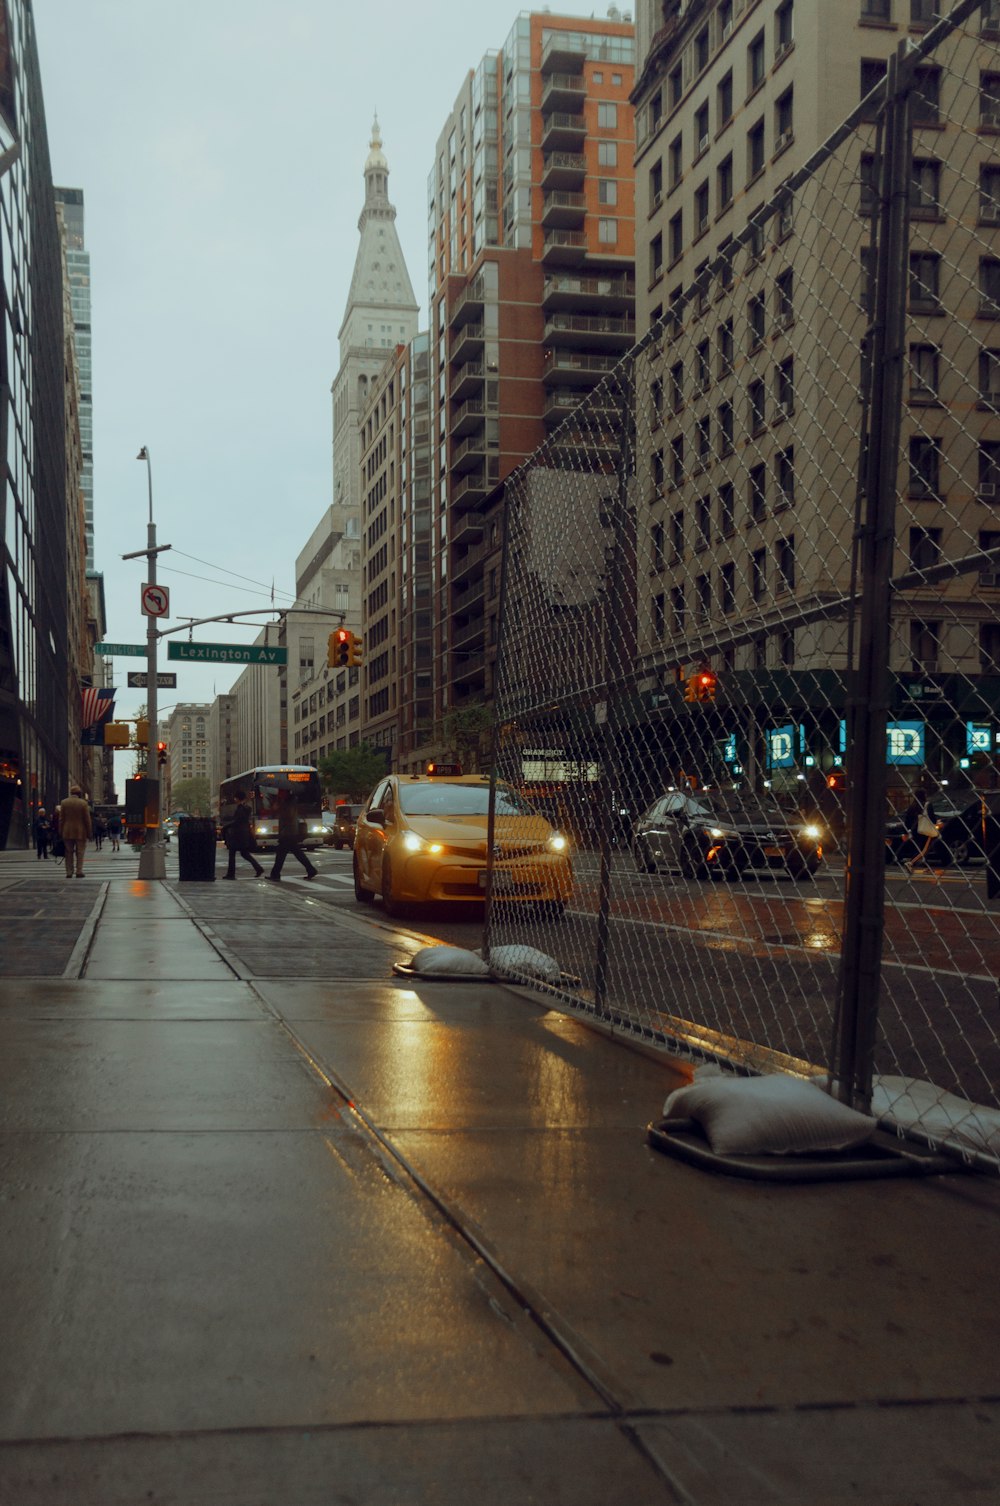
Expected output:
(75, 828)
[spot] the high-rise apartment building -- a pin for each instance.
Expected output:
(78, 274)
(531, 257)
(749, 432)
(187, 745)
(35, 705)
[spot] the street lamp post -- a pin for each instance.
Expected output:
(152, 863)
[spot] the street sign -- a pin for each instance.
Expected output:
(227, 653)
(155, 601)
(122, 650)
(139, 679)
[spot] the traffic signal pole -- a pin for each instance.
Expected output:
(152, 862)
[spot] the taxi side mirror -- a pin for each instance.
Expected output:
(376, 816)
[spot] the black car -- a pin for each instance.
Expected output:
(960, 835)
(340, 825)
(702, 835)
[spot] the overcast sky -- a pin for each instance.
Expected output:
(220, 146)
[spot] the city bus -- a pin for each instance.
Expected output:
(265, 787)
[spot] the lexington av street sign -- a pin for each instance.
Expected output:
(226, 653)
(122, 650)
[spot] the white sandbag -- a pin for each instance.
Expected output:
(448, 961)
(527, 961)
(771, 1115)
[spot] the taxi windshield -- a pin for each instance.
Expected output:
(460, 800)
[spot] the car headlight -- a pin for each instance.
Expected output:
(812, 832)
(319, 828)
(412, 843)
(556, 842)
(263, 828)
(717, 832)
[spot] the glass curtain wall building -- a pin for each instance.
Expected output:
(34, 715)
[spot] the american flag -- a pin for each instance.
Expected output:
(97, 706)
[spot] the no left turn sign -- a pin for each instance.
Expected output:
(155, 601)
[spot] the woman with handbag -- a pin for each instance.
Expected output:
(922, 825)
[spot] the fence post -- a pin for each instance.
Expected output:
(861, 956)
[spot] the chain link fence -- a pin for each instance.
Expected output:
(751, 606)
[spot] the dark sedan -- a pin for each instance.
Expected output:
(703, 835)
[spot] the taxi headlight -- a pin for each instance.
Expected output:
(556, 842)
(412, 843)
(718, 832)
(263, 828)
(813, 833)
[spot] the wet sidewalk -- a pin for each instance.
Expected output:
(281, 1227)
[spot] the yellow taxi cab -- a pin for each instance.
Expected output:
(424, 838)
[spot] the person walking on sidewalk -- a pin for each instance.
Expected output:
(114, 830)
(922, 824)
(100, 832)
(75, 828)
(238, 838)
(43, 832)
(289, 841)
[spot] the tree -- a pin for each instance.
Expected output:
(193, 796)
(352, 772)
(463, 729)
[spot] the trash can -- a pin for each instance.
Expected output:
(196, 849)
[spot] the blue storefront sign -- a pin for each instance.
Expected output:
(905, 742)
(781, 747)
(978, 737)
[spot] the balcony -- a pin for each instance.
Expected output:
(470, 636)
(468, 379)
(563, 170)
(468, 666)
(561, 402)
(469, 304)
(462, 602)
(473, 488)
(468, 417)
(590, 330)
(563, 91)
(563, 132)
(467, 342)
(562, 54)
(468, 532)
(576, 368)
(565, 248)
(563, 210)
(609, 294)
(471, 452)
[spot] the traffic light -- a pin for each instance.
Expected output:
(355, 651)
(161, 754)
(142, 734)
(700, 686)
(338, 648)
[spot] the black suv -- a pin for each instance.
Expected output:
(341, 832)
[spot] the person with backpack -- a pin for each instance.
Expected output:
(239, 838)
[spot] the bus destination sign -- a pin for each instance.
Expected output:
(227, 653)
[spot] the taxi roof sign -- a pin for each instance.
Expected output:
(444, 770)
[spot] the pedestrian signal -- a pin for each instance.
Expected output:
(338, 648)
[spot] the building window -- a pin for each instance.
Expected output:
(923, 373)
(925, 646)
(757, 493)
(607, 191)
(677, 386)
(755, 149)
(876, 10)
(785, 560)
(783, 29)
(724, 182)
(702, 367)
(607, 115)
(656, 258)
(784, 120)
(677, 537)
(701, 209)
(925, 467)
(703, 523)
(655, 111)
(607, 232)
(784, 387)
(868, 200)
(783, 218)
(724, 341)
(755, 63)
(872, 74)
(989, 575)
(703, 438)
(784, 468)
(925, 548)
(925, 189)
(703, 596)
(757, 318)
(925, 99)
(989, 648)
(658, 615)
(758, 574)
(725, 428)
(989, 378)
(701, 130)
(989, 18)
(701, 50)
(724, 99)
(655, 403)
(675, 233)
(989, 195)
(658, 475)
(989, 470)
(675, 157)
(677, 459)
(675, 84)
(925, 269)
(655, 184)
(758, 417)
(677, 609)
(924, 12)
(727, 509)
(607, 153)
(784, 308)
(989, 288)
(659, 559)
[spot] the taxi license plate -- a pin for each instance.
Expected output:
(774, 852)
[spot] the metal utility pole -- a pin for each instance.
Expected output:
(152, 862)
